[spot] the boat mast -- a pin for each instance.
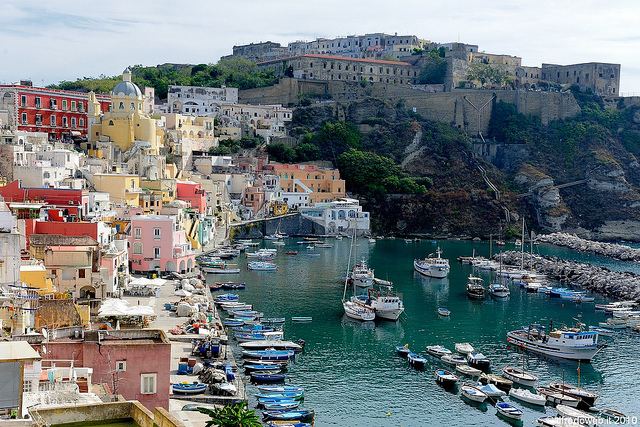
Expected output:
(490, 245)
(346, 278)
(522, 246)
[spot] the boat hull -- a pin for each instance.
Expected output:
(585, 354)
(431, 271)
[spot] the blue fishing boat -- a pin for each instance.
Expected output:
(226, 297)
(297, 395)
(509, 411)
(267, 377)
(265, 400)
(185, 388)
(233, 322)
(253, 328)
(305, 415)
(403, 350)
(280, 388)
(262, 367)
(416, 360)
(269, 354)
(281, 406)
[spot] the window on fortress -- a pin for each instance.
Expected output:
(132, 106)
(121, 105)
(110, 122)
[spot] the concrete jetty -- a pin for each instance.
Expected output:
(612, 250)
(614, 284)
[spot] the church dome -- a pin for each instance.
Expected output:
(126, 87)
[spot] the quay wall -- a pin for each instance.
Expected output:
(292, 224)
(466, 109)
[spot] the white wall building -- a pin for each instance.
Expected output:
(339, 216)
(199, 100)
(41, 175)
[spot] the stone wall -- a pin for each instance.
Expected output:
(458, 107)
(292, 225)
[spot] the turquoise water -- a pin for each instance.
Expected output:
(350, 371)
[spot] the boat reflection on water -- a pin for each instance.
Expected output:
(363, 325)
(433, 286)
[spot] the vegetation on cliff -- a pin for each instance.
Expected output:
(231, 72)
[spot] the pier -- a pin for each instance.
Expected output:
(612, 250)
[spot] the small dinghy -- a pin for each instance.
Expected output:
(445, 377)
(614, 416)
(491, 390)
(297, 395)
(468, 370)
(185, 388)
(273, 320)
(527, 396)
(509, 411)
(403, 350)
(438, 350)
(587, 398)
(444, 312)
(557, 422)
(416, 360)
(473, 393)
(267, 400)
(267, 377)
(269, 354)
(305, 415)
(281, 406)
(280, 389)
(580, 416)
(262, 368)
(500, 382)
(453, 359)
(301, 319)
(519, 376)
(232, 322)
(557, 398)
(478, 360)
(464, 348)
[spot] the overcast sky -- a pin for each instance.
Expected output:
(66, 39)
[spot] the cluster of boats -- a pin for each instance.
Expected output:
(217, 261)
(514, 382)
(624, 314)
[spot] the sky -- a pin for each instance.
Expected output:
(68, 39)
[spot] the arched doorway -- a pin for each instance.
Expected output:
(182, 266)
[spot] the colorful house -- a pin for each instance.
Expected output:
(36, 276)
(72, 202)
(320, 185)
(193, 193)
(124, 189)
(159, 243)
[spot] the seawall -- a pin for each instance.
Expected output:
(466, 109)
(291, 224)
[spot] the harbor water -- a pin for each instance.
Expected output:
(351, 374)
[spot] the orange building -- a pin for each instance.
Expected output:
(325, 185)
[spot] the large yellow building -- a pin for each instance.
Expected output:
(124, 189)
(36, 276)
(126, 123)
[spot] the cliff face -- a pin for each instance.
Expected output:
(580, 175)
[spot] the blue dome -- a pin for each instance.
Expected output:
(127, 89)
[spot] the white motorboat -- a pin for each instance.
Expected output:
(362, 276)
(557, 422)
(358, 311)
(578, 415)
(473, 393)
(557, 398)
(499, 290)
(527, 396)
(485, 264)
(571, 343)
(262, 266)
(519, 376)
(431, 266)
(453, 359)
(388, 307)
(475, 287)
(438, 350)
(491, 390)
(620, 305)
(464, 348)
(468, 370)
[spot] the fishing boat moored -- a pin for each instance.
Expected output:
(445, 377)
(473, 393)
(519, 376)
(509, 411)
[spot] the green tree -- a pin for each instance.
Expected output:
(235, 415)
(281, 153)
(306, 152)
(486, 73)
(434, 70)
(334, 138)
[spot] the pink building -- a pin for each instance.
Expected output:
(134, 363)
(193, 193)
(158, 243)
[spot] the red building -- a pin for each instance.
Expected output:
(134, 363)
(193, 193)
(71, 201)
(56, 112)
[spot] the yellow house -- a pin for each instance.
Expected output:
(126, 122)
(123, 189)
(35, 276)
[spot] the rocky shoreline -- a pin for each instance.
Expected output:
(612, 250)
(613, 284)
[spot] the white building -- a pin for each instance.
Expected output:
(199, 100)
(265, 120)
(339, 216)
(41, 174)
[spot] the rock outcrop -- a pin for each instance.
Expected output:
(614, 284)
(621, 252)
(551, 210)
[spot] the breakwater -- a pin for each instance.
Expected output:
(618, 285)
(612, 250)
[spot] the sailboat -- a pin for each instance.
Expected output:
(385, 303)
(352, 309)
(498, 289)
